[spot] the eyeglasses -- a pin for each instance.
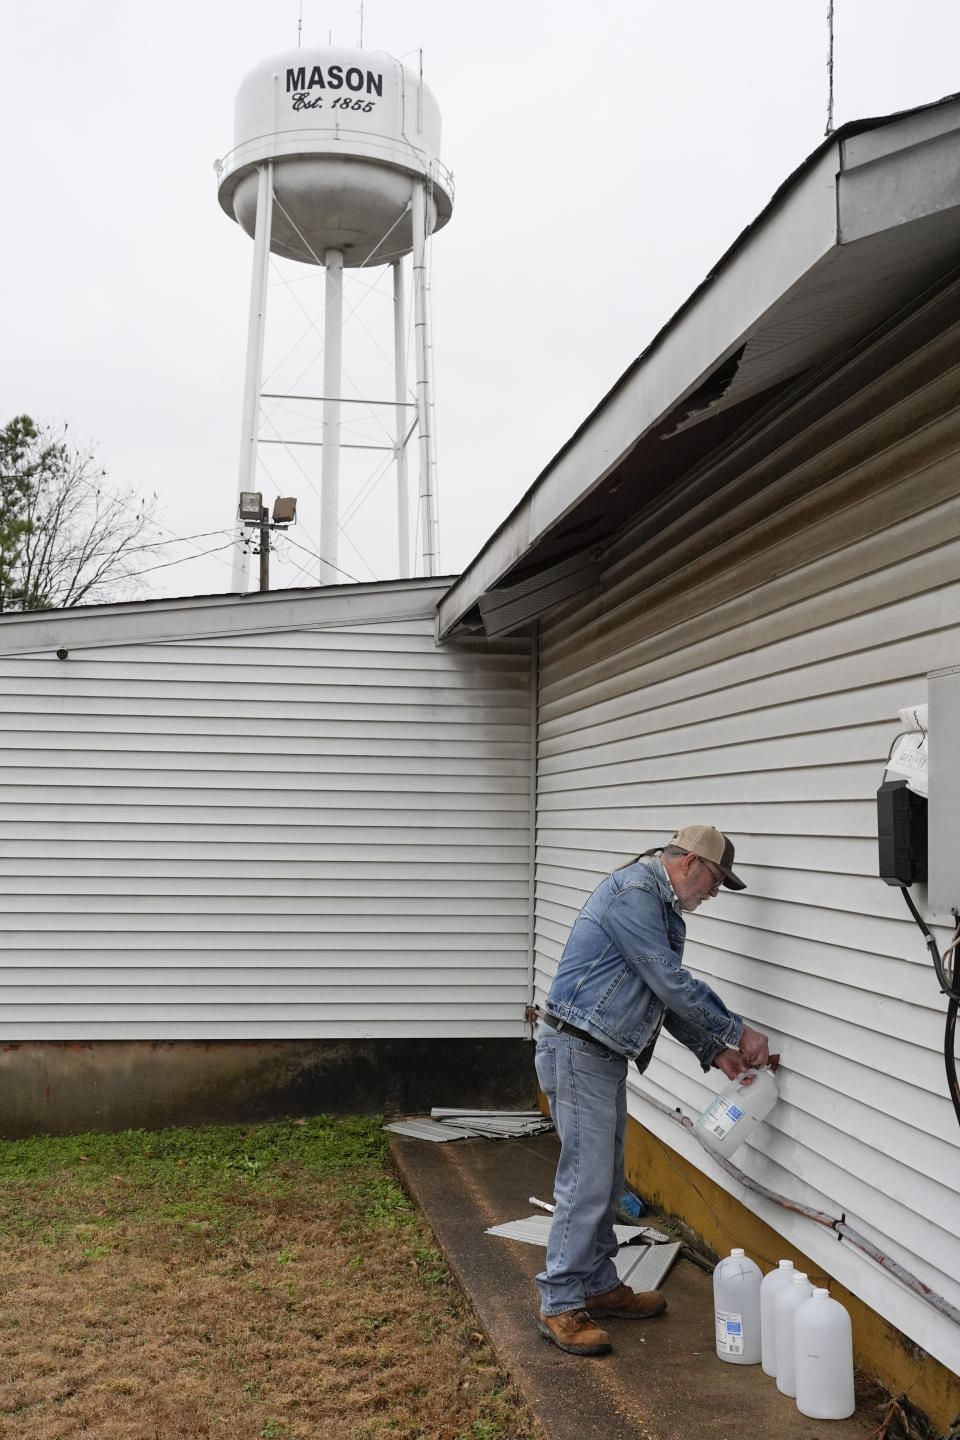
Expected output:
(715, 874)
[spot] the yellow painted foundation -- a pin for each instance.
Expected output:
(668, 1181)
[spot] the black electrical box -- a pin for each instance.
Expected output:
(902, 833)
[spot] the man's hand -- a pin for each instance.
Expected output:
(754, 1047)
(731, 1062)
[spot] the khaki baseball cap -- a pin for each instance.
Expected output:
(710, 844)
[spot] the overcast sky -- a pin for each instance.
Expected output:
(605, 155)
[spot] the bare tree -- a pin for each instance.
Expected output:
(79, 539)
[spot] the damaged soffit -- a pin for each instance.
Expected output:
(868, 223)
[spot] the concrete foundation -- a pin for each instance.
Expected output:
(60, 1088)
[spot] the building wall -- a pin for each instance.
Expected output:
(287, 816)
(743, 664)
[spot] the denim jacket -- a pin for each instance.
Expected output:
(620, 977)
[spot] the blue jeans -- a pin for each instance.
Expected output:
(586, 1087)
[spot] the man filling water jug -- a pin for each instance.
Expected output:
(620, 980)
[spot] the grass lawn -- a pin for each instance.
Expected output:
(256, 1282)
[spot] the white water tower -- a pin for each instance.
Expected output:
(336, 163)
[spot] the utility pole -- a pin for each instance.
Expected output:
(253, 514)
(264, 548)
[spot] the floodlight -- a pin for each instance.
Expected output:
(285, 511)
(251, 506)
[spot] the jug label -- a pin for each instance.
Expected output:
(729, 1332)
(721, 1117)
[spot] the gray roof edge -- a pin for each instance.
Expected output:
(709, 325)
(158, 621)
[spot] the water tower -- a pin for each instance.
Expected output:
(335, 163)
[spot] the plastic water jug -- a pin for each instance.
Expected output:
(785, 1306)
(769, 1287)
(736, 1309)
(736, 1112)
(823, 1350)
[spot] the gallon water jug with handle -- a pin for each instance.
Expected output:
(785, 1306)
(769, 1289)
(736, 1309)
(823, 1350)
(735, 1113)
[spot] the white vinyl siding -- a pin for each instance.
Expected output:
(744, 667)
(318, 827)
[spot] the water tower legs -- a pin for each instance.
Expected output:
(333, 264)
(250, 422)
(332, 381)
(400, 431)
(428, 502)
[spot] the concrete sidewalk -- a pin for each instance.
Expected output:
(663, 1380)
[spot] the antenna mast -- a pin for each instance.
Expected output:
(829, 129)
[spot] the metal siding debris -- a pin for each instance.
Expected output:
(642, 1266)
(428, 1130)
(473, 1125)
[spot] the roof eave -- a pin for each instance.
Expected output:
(861, 181)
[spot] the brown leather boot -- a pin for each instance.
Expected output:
(575, 1332)
(626, 1304)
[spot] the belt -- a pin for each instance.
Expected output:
(573, 1030)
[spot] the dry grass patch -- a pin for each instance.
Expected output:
(267, 1282)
